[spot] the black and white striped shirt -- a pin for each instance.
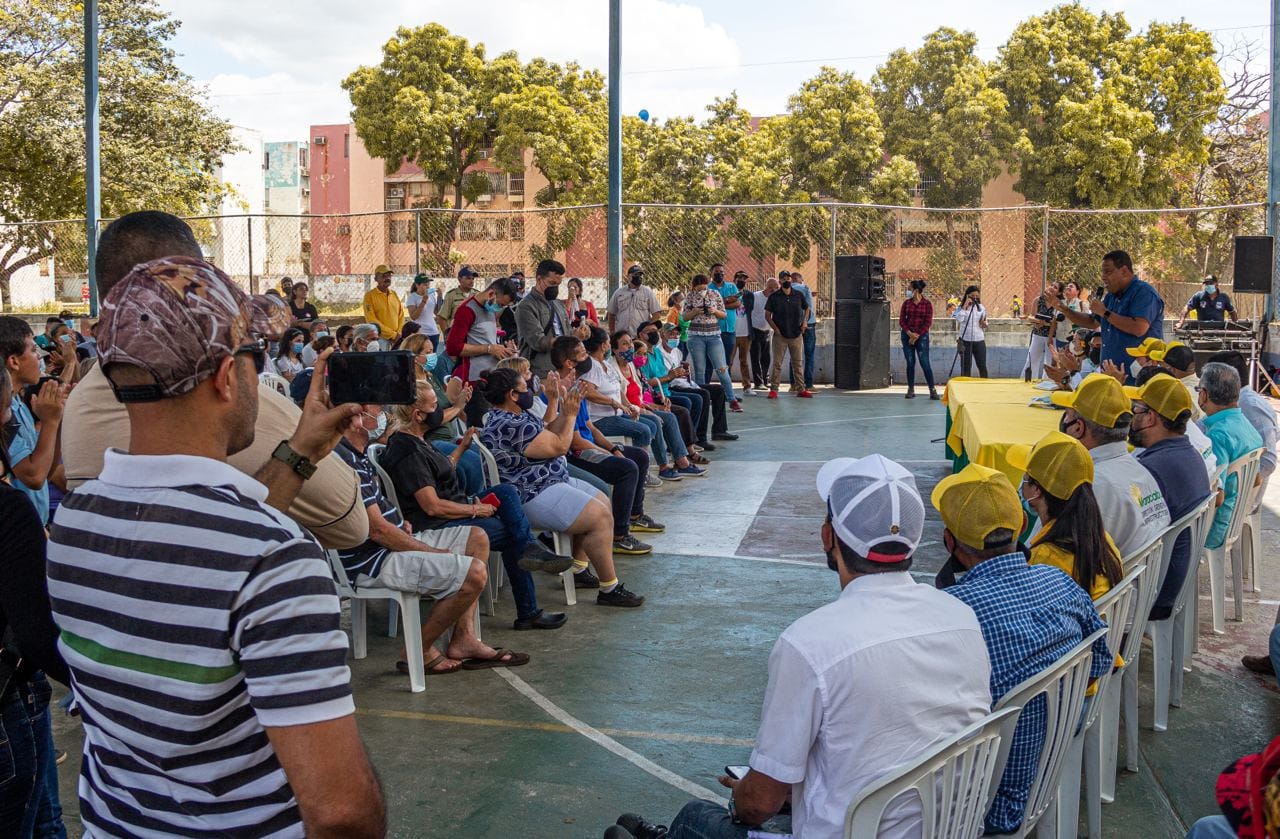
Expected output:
(193, 616)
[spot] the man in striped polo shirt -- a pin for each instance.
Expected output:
(200, 625)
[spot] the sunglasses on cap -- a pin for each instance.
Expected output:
(258, 349)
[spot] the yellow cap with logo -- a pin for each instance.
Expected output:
(1159, 354)
(976, 501)
(1057, 462)
(382, 269)
(1099, 399)
(1148, 347)
(1163, 394)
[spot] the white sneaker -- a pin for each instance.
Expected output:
(746, 391)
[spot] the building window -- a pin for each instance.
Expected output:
(515, 185)
(346, 145)
(497, 182)
(401, 231)
(302, 156)
(266, 160)
(517, 229)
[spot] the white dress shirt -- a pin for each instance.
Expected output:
(757, 312)
(1133, 509)
(1258, 411)
(863, 685)
(969, 323)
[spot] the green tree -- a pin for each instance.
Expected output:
(939, 109)
(1107, 118)
(160, 142)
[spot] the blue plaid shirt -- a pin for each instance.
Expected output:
(1030, 615)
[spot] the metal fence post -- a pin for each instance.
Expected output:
(417, 241)
(253, 280)
(835, 210)
(1044, 252)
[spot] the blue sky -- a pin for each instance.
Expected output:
(277, 67)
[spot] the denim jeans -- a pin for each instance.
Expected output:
(25, 755)
(645, 430)
(1212, 827)
(707, 354)
(730, 342)
(810, 350)
(49, 811)
(919, 350)
(671, 434)
(508, 531)
(470, 467)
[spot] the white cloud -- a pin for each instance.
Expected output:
(269, 67)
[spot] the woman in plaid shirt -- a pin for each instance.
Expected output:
(914, 318)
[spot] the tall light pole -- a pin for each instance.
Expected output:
(92, 169)
(613, 218)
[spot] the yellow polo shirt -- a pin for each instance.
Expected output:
(384, 309)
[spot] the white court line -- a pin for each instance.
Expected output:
(607, 742)
(828, 422)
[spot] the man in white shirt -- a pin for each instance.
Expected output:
(1257, 410)
(633, 304)
(1098, 415)
(319, 329)
(864, 684)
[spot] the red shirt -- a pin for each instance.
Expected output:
(916, 317)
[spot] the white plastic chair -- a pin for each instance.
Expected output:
(1062, 684)
(955, 782)
(276, 382)
(1117, 610)
(411, 616)
(1245, 470)
(1251, 542)
(562, 542)
(1154, 558)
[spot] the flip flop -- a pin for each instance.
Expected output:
(515, 660)
(402, 667)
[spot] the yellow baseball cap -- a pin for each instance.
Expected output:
(976, 501)
(1163, 394)
(1056, 462)
(382, 269)
(1148, 347)
(1160, 353)
(1099, 399)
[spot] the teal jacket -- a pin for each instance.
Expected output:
(1232, 436)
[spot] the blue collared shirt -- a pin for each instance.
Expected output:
(1138, 300)
(1233, 436)
(1030, 615)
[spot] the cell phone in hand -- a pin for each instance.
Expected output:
(492, 500)
(737, 772)
(373, 378)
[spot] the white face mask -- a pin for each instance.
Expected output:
(373, 346)
(380, 426)
(1135, 368)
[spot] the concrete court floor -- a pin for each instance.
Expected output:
(639, 710)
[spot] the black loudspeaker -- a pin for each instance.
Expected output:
(862, 344)
(860, 278)
(1253, 264)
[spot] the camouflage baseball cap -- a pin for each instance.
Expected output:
(177, 318)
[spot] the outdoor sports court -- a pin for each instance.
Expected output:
(639, 710)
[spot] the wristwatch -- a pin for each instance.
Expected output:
(286, 455)
(1106, 314)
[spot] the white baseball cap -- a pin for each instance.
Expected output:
(873, 500)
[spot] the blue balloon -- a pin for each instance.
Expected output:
(644, 114)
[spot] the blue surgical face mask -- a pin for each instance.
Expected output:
(493, 307)
(430, 363)
(297, 347)
(1211, 289)
(71, 324)
(380, 426)
(673, 342)
(321, 334)
(42, 368)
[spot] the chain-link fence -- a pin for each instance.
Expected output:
(1009, 252)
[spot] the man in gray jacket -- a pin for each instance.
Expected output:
(541, 318)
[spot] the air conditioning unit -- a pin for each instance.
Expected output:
(484, 199)
(515, 197)
(395, 192)
(304, 172)
(321, 141)
(393, 204)
(484, 154)
(306, 191)
(344, 230)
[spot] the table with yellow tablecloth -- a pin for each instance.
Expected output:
(987, 416)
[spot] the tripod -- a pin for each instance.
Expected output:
(960, 336)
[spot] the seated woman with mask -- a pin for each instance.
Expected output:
(530, 457)
(431, 497)
(451, 399)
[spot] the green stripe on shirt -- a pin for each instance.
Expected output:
(163, 668)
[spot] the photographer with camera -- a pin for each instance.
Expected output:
(971, 322)
(915, 318)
